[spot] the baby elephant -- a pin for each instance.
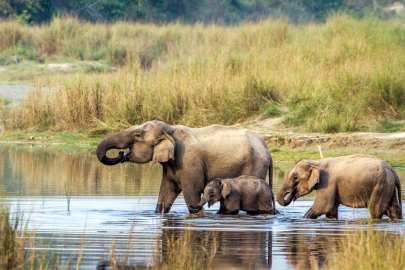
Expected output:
(246, 193)
(359, 181)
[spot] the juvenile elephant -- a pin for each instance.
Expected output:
(359, 181)
(246, 193)
(190, 156)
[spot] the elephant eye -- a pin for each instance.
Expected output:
(138, 135)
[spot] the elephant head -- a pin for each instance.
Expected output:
(213, 192)
(147, 142)
(300, 182)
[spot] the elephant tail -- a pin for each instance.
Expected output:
(271, 185)
(271, 174)
(274, 204)
(398, 185)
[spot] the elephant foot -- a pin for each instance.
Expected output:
(310, 214)
(334, 214)
(227, 212)
(194, 209)
(161, 209)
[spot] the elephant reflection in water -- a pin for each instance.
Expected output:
(308, 251)
(228, 249)
(221, 249)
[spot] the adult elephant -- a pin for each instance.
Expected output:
(359, 181)
(190, 156)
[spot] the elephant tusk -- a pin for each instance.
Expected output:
(126, 154)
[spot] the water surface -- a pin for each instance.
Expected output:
(112, 209)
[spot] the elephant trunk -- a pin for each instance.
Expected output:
(281, 195)
(200, 205)
(202, 202)
(113, 142)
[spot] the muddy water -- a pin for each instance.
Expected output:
(112, 209)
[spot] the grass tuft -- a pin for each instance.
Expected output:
(369, 249)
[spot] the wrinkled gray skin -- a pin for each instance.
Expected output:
(246, 193)
(190, 156)
(359, 181)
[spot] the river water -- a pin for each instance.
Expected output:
(111, 211)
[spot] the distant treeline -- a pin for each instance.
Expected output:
(189, 11)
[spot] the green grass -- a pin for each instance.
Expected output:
(274, 110)
(393, 156)
(74, 138)
(3, 100)
(32, 71)
(388, 124)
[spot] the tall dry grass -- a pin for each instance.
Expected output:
(368, 249)
(18, 249)
(343, 75)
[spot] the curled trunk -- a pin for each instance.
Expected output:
(113, 142)
(281, 195)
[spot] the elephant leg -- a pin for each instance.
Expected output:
(324, 204)
(192, 198)
(394, 210)
(379, 201)
(224, 211)
(334, 213)
(169, 191)
(310, 214)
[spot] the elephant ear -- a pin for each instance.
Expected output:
(313, 176)
(226, 189)
(164, 148)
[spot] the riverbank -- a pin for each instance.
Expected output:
(284, 146)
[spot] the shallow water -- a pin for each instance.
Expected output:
(112, 208)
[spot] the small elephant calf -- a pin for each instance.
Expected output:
(246, 193)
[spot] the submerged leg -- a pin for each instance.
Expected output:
(192, 198)
(169, 191)
(334, 213)
(310, 214)
(394, 209)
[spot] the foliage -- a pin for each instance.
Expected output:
(28, 11)
(191, 11)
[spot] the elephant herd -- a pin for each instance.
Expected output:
(230, 164)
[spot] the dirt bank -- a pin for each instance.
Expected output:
(327, 141)
(277, 136)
